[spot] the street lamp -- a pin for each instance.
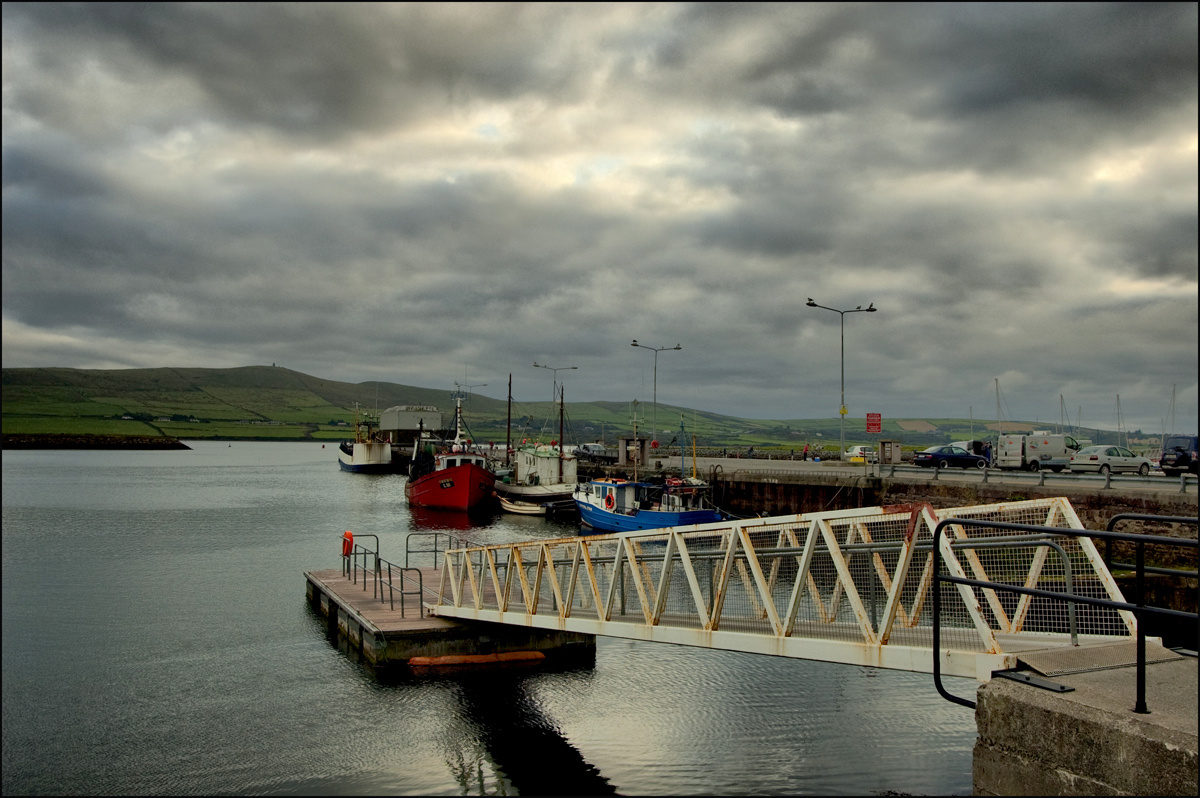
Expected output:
(842, 410)
(655, 350)
(554, 383)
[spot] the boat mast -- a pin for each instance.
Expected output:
(561, 411)
(458, 418)
(637, 449)
(999, 424)
(508, 432)
(417, 444)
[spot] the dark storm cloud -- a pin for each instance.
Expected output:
(409, 192)
(305, 69)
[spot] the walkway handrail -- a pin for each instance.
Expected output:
(1138, 609)
(452, 542)
(350, 561)
(394, 582)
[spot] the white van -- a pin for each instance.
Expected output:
(1036, 451)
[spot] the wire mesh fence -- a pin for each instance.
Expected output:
(860, 576)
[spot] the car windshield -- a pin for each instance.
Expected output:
(1092, 449)
(932, 449)
(1178, 442)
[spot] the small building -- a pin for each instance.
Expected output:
(400, 423)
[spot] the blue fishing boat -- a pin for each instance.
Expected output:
(609, 504)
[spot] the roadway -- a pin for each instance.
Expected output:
(729, 467)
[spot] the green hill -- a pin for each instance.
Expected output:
(270, 403)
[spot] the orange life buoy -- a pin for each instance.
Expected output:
(608, 501)
(347, 543)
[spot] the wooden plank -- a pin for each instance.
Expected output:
(380, 614)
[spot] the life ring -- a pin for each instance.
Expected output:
(608, 501)
(347, 543)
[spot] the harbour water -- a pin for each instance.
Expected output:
(156, 641)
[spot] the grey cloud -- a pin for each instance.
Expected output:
(269, 183)
(309, 69)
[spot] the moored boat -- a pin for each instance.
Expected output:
(610, 504)
(453, 476)
(367, 453)
(618, 505)
(536, 474)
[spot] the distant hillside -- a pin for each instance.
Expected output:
(270, 403)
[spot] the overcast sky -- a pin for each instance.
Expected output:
(426, 194)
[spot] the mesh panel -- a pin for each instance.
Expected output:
(861, 576)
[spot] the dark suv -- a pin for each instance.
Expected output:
(1178, 454)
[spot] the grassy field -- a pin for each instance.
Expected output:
(268, 403)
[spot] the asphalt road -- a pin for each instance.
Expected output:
(1155, 482)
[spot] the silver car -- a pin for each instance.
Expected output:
(1106, 459)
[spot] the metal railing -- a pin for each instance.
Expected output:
(1184, 483)
(451, 542)
(1042, 477)
(847, 586)
(373, 569)
(1138, 609)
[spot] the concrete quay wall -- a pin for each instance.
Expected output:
(1089, 742)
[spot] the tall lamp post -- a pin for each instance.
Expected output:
(842, 410)
(656, 350)
(554, 384)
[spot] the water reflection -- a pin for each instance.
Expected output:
(423, 519)
(525, 746)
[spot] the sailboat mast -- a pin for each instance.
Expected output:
(682, 449)
(999, 424)
(561, 413)
(508, 427)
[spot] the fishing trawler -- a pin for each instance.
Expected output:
(448, 476)
(611, 504)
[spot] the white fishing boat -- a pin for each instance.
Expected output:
(536, 474)
(368, 453)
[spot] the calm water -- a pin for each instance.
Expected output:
(156, 640)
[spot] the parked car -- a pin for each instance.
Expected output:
(1106, 459)
(865, 452)
(594, 453)
(947, 456)
(1179, 454)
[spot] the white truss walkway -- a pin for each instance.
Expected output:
(848, 586)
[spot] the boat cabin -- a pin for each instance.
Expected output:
(625, 497)
(452, 459)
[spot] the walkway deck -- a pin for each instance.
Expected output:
(850, 586)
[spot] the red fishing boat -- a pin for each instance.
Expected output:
(451, 476)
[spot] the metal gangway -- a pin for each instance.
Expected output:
(848, 586)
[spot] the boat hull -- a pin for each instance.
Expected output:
(607, 521)
(535, 493)
(460, 487)
(520, 507)
(366, 458)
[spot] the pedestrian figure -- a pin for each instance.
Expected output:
(805, 455)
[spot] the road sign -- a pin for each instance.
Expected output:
(843, 411)
(874, 422)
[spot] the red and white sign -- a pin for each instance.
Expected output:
(874, 422)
